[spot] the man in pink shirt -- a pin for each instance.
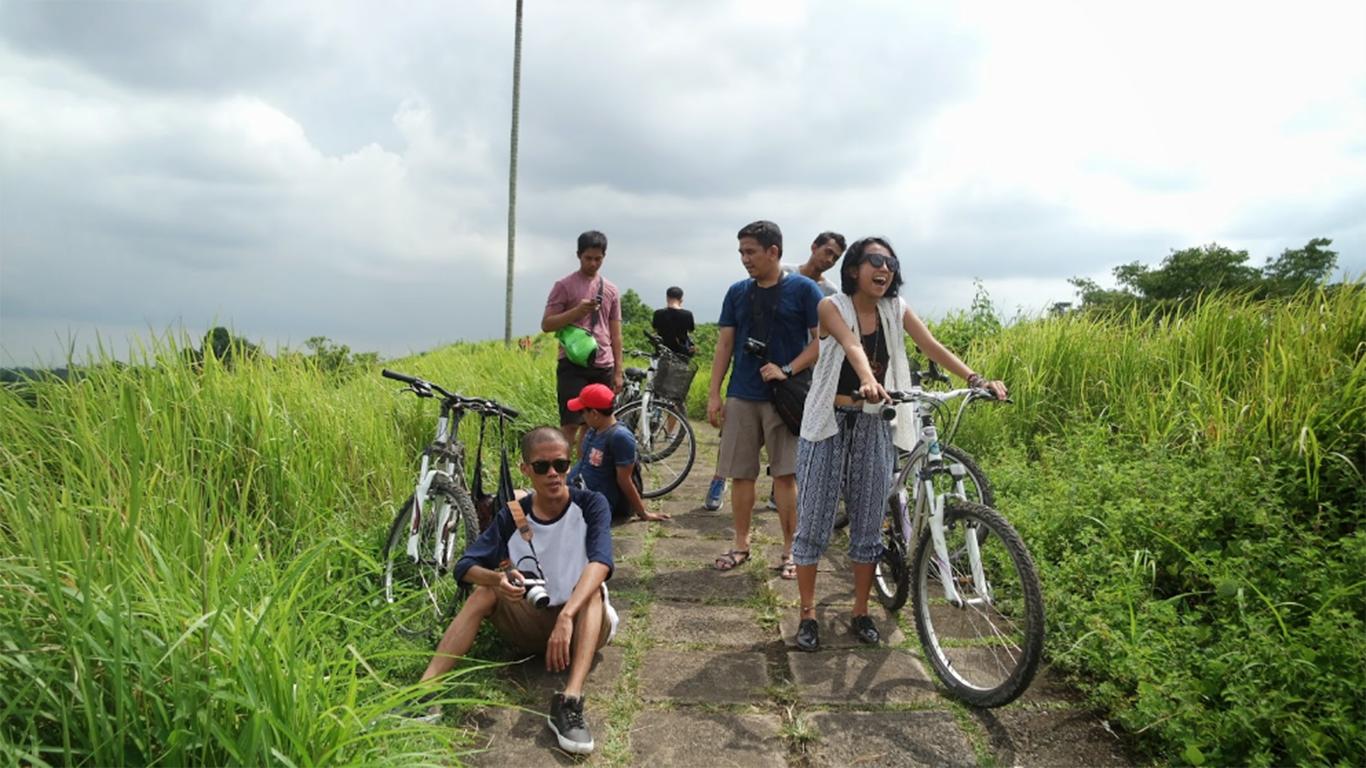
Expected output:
(590, 301)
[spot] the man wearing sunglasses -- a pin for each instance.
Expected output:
(568, 540)
(766, 333)
(607, 457)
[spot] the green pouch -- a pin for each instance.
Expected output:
(579, 345)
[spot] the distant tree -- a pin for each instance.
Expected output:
(636, 319)
(337, 359)
(1300, 267)
(635, 310)
(226, 348)
(1188, 273)
(1191, 272)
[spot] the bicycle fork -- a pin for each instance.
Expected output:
(438, 481)
(941, 555)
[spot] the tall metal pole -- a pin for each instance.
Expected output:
(512, 173)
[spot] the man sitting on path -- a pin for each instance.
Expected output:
(566, 535)
(607, 458)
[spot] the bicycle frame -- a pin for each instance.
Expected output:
(924, 461)
(643, 391)
(446, 448)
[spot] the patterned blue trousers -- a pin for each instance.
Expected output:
(856, 462)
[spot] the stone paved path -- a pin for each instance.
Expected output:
(702, 671)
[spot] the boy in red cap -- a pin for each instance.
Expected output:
(607, 457)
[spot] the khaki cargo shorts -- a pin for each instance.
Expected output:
(749, 426)
(528, 628)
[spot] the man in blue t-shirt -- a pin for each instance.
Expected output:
(607, 457)
(767, 333)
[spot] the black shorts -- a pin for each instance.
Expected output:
(570, 380)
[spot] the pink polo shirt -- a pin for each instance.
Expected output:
(573, 288)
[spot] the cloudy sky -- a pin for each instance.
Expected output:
(338, 168)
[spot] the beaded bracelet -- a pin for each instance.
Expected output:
(976, 381)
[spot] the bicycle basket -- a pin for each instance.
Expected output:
(673, 378)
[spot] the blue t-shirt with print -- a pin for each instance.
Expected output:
(783, 313)
(599, 457)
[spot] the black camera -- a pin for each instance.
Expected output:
(756, 347)
(535, 593)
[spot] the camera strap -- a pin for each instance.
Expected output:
(764, 315)
(519, 519)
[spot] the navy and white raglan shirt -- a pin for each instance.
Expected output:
(579, 535)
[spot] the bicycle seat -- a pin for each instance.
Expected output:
(635, 374)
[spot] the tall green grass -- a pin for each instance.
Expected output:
(188, 560)
(1277, 380)
(1191, 488)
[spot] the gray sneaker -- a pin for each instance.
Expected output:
(566, 720)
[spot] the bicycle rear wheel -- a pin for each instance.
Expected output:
(665, 443)
(891, 575)
(421, 592)
(986, 648)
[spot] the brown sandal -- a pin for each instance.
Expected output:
(731, 559)
(788, 570)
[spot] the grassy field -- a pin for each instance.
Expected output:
(188, 556)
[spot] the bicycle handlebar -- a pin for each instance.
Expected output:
(917, 395)
(423, 388)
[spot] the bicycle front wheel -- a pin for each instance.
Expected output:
(985, 646)
(665, 445)
(418, 583)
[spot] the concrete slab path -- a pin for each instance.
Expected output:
(703, 671)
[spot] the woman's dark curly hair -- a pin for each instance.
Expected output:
(853, 258)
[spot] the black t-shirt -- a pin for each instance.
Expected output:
(875, 348)
(674, 325)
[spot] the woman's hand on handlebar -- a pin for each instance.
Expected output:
(873, 392)
(997, 388)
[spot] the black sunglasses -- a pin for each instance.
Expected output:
(543, 466)
(877, 260)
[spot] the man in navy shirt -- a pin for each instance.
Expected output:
(607, 457)
(564, 534)
(767, 333)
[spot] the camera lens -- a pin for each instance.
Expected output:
(538, 597)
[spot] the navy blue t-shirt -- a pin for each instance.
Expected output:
(786, 313)
(599, 457)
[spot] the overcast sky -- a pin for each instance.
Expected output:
(332, 168)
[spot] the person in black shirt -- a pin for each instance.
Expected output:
(674, 323)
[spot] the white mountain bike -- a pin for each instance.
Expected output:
(438, 521)
(977, 599)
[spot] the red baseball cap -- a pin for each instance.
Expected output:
(599, 396)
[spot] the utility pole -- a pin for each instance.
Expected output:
(512, 173)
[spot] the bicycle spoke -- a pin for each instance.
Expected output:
(987, 647)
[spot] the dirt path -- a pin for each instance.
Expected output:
(702, 671)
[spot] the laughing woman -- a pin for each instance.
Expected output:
(842, 449)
